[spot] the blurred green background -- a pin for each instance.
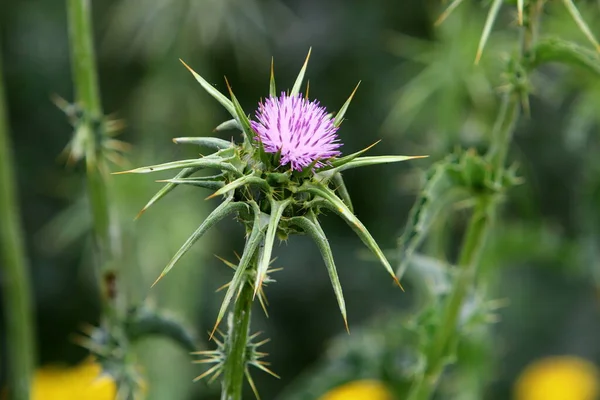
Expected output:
(420, 94)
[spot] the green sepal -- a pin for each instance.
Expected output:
(142, 322)
(310, 225)
(339, 117)
(210, 182)
(228, 125)
(346, 159)
(197, 163)
(242, 181)
(334, 203)
(220, 97)
(239, 278)
(167, 188)
(298, 84)
(224, 209)
(340, 187)
(562, 51)
(210, 142)
(277, 209)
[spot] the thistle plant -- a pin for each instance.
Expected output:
(283, 175)
(481, 181)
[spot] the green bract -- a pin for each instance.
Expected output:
(267, 199)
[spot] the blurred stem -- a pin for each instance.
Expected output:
(237, 338)
(479, 225)
(85, 77)
(16, 288)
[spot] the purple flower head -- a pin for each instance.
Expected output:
(299, 128)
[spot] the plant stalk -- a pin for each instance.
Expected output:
(479, 225)
(237, 338)
(16, 284)
(85, 78)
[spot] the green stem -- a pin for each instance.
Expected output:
(237, 340)
(16, 288)
(85, 77)
(479, 225)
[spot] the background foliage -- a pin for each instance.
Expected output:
(420, 93)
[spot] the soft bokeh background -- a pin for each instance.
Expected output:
(420, 93)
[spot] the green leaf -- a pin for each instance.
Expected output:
(143, 322)
(239, 278)
(300, 78)
(313, 229)
(487, 29)
(581, 23)
(561, 51)
(335, 204)
(166, 189)
(277, 208)
(340, 187)
(198, 163)
(211, 183)
(242, 181)
(224, 209)
(272, 89)
(241, 116)
(447, 12)
(339, 118)
(225, 102)
(227, 125)
(211, 143)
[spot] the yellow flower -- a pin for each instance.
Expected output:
(359, 390)
(76, 383)
(558, 378)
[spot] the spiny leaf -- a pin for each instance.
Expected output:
(211, 143)
(346, 159)
(447, 12)
(241, 116)
(239, 278)
(565, 52)
(198, 163)
(229, 124)
(312, 228)
(375, 160)
(335, 204)
(340, 187)
(166, 189)
(210, 183)
(225, 102)
(300, 78)
(242, 181)
(487, 29)
(337, 121)
(363, 162)
(277, 208)
(224, 209)
(272, 88)
(581, 23)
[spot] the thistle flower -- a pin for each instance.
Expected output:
(300, 130)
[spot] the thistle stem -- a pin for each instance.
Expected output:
(479, 226)
(237, 341)
(16, 288)
(85, 77)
